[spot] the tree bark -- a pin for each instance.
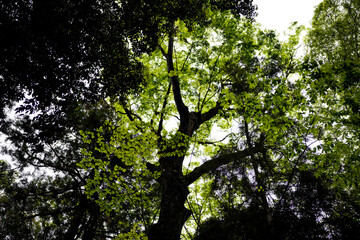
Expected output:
(76, 221)
(173, 213)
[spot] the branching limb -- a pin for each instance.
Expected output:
(160, 127)
(131, 115)
(187, 56)
(219, 161)
(180, 105)
(163, 51)
(207, 99)
(211, 113)
(214, 142)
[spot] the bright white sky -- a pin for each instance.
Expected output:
(279, 14)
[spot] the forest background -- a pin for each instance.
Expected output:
(178, 119)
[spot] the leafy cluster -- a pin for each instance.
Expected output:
(178, 120)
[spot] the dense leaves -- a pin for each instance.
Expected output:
(178, 119)
(53, 51)
(331, 69)
(61, 59)
(225, 72)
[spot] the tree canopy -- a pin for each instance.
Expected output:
(178, 120)
(331, 68)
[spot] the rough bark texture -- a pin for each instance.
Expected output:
(173, 213)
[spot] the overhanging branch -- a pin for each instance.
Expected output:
(214, 163)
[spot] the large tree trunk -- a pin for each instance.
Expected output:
(173, 213)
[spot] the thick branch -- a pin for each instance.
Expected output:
(195, 119)
(189, 122)
(214, 163)
(181, 107)
(211, 113)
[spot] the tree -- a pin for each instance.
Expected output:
(309, 177)
(333, 51)
(272, 172)
(306, 208)
(331, 69)
(225, 71)
(61, 47)
(74, 55)
(47, 195)
(137, 92)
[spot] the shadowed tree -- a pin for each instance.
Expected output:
(61, 59)
(215, 74)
